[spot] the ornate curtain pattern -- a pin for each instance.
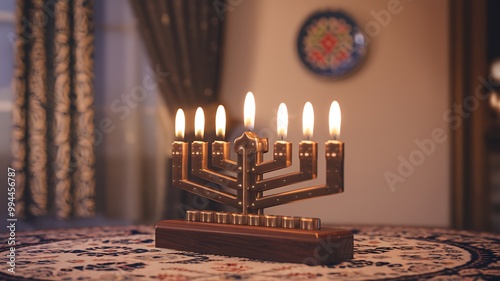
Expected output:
(83, 117)
(53, 130)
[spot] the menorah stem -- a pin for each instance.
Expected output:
(248, 146)
(245, 182)
(246, 160)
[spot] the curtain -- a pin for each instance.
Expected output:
(183, 38)
(53, 114)
(471, 207)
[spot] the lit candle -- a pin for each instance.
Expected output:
(220, 122)
(282, 120)
(307, 148)
(282, 149)
(180, 124)
(334, 150)
(179, 149)
(249, 111)
(220, 148)
(199, 148)
(308, 120)
(199, 123)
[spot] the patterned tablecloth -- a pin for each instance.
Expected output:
(128, 253)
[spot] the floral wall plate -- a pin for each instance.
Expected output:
(331, 44)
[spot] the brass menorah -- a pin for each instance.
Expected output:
(242, 187)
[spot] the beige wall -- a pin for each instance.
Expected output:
(397, 97)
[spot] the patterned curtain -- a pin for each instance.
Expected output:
(184, 38)
(53, 114)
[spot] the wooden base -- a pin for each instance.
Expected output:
(314, 247)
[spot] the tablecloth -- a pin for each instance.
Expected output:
(128, 253)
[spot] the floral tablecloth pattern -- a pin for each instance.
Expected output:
(128, 253)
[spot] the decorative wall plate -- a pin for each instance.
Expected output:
(331, 44)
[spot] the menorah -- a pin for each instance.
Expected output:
(241, 185)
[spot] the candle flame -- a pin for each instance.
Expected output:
(249, 111)
(220, 122)
(199, 123)
(334, 120)
(282, 120)
(180, 124)
(308, 120)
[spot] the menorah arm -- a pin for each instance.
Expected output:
(199, 166)
(294, 195)
(217, 178)
(308, 170)
(282, 158)
(225, 164)
(280, 181)
(220, 156)
(212, 194)
(271, 165)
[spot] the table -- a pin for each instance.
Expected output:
(128, 253)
